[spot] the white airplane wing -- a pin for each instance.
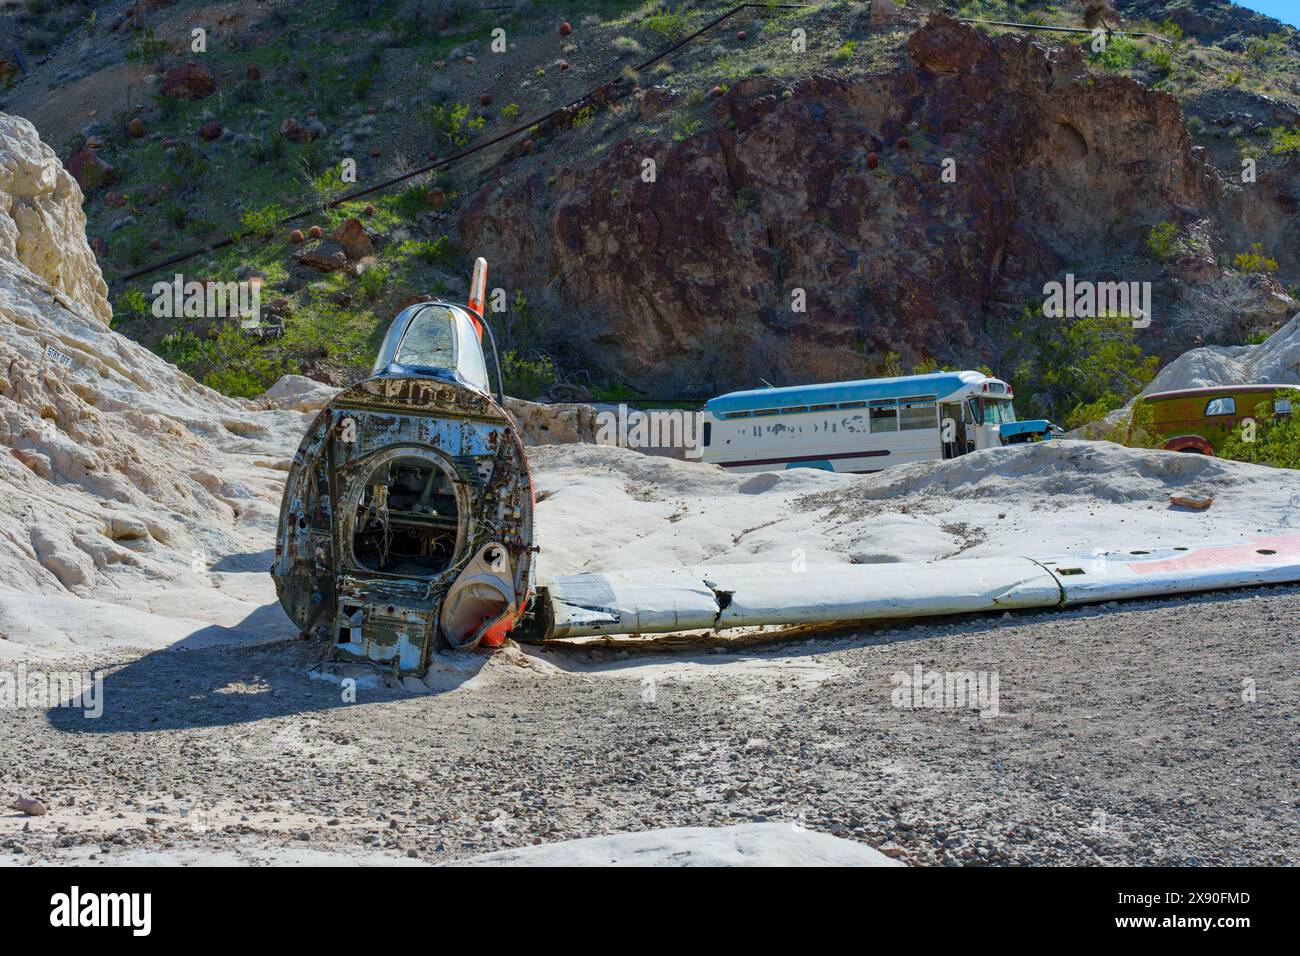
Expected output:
(725, 596)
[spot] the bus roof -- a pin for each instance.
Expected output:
(938, 384)
(1216, 390)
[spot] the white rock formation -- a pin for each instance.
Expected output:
(118, 473)
(1275, 361)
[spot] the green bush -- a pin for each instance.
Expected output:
(372, 281)
(228, 360)
(131, 304)
(1162, 241)
(527, 376)
(325, 186)
(671, 26)
(441, 251)
(1277, 440)
(1120, 53)
(1254, 261)
(453, 124)
(262, 221)
(1160, 57)
(1135, 429)
(1284, 140)
(1074, 370)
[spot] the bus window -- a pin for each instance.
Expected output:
(884, 420)
(708, 433)
(916, 417)
(1221, 406)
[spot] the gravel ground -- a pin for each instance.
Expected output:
(1124, 734)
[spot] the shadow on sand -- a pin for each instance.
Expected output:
(216, 677)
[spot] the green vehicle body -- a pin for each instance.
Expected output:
(1198, 419)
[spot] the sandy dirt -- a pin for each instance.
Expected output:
(1124, 734)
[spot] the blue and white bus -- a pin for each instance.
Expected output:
(864, 426)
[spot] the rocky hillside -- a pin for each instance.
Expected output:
(837, 189)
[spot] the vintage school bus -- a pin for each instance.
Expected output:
(864, 426)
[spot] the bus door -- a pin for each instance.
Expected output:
(953, 436)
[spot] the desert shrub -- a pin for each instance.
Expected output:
(263, 220)
(269, 150)
(1284, 140)
(1074, 370)
(1134, 428)
(888, 365)
(746, 198)
(1160, 57)
(248, 91)
(1120, 53)
(175, 215)
(441, 251)
(312, 158)
(626, 46)
(228, 360)
(325, 186)
(1254, 261)
(845, 51)
(136, 249)
(372, 281)
(131, 304)
(146, 46)
(328, 330)
(1276, 440)
(521, 327)
(1258, 49)
(671, 26)
(1162, 241)
(186, 168)
(452, 124)
(686, 128)
(527, 376)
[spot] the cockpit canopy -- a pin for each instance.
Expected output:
(434, 339)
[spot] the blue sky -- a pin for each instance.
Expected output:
(1288, 11)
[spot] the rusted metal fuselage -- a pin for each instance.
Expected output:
(407, 519)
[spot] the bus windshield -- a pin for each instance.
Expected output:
(998, 411)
